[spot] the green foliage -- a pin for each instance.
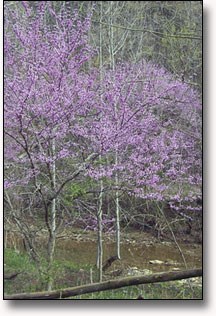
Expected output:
(64, 273)
(76, 190)
(28, 280)
(14, 260)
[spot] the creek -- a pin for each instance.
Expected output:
(138, 249)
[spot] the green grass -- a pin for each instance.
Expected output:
(28, 280)
(14, 260)
(34, 278)
(69, 274)
(167, 290)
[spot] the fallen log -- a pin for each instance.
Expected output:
(107, 285)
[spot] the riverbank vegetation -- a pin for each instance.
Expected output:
(68, 274)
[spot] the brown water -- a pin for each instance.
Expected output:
(137, 250)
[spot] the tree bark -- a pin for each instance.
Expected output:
(100, 199)
(107, 285)
(100, 234)
(52, 231)
(112, 66)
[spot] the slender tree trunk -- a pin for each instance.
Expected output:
(112, 64)
(100, 234)
(52, 231)
(100, 201)
(117, 218)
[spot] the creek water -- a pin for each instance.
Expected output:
(137, 250)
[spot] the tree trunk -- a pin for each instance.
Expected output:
(112, 65)
(100, 234)
(108, 285)
(117, 215)
(52, 230)
(100, 201)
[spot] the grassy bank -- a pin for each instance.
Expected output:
(68, 274)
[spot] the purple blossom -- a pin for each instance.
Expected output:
(135, 111)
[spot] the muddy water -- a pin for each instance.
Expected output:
(136, 251)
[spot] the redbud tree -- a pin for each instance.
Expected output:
(61, 119)
(49, 99)
(157, 131)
